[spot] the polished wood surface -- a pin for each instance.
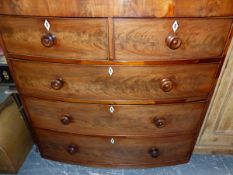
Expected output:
(144, 39)
(100, 150)
(75, 38)
(120, 83)
(97, 119)
(126, 83)
(118, 8)
(172, 8)
(73, 8)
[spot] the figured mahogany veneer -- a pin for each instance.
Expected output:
(151, 39)
(126, 82)
(118, 8)
(100, 151)
(134, 39)
(98, 119)
(116, 83)
(67, 38)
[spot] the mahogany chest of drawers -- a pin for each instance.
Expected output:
(116, 83)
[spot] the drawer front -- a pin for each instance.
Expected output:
(72, 8)
(67, 38)
(113, 150)
(153, 39)
(172, 8)
(124, 8)
(97, 119)
(70, 81)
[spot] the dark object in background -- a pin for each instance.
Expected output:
(5, 76)
(15, 139)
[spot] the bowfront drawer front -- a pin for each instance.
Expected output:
(66, 38)
(70, 81)
(155, 39)
(97, 119)
(114, 150)
(116, 83)
(124, 8)
(71, 8)
(172, 8)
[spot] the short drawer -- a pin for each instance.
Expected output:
(109, 83)
(121, 151)
(67, 38)
(99, 119)
(71, 8)
(154, 39)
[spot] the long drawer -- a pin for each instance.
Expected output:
(67, 38)
(154, 39)
(124, 8)
(80, 82)
(99, 119)
(121, 151)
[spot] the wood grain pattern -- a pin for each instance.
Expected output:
(96, 119)
(114, 62)
(118, 8)
(100, 150)
(217, 131)
(15, 143)
(144, 39)
(65, 8)
(160, 85)
(75, 38)
(172, 8)
(127, 82)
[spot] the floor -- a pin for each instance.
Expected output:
(3, 96)
(199, 165)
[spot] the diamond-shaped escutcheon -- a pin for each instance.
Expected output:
(111, 109)
(110, 71)
(112, 141)
(47, 25)
(175, 26)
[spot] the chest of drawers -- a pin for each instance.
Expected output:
(119, 83)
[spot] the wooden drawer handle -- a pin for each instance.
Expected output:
(160, 122)
(72, 149)
(166, 85)
(173, 42)
(154, 152)
(48, 40)
(66, 119)
(57, 84)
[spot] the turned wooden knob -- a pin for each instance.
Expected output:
(154, 152)
(173, 42)
(72, 149)
(66, 119)
(57, 84)
(166, 85)
(160, 122)
(48, 40)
